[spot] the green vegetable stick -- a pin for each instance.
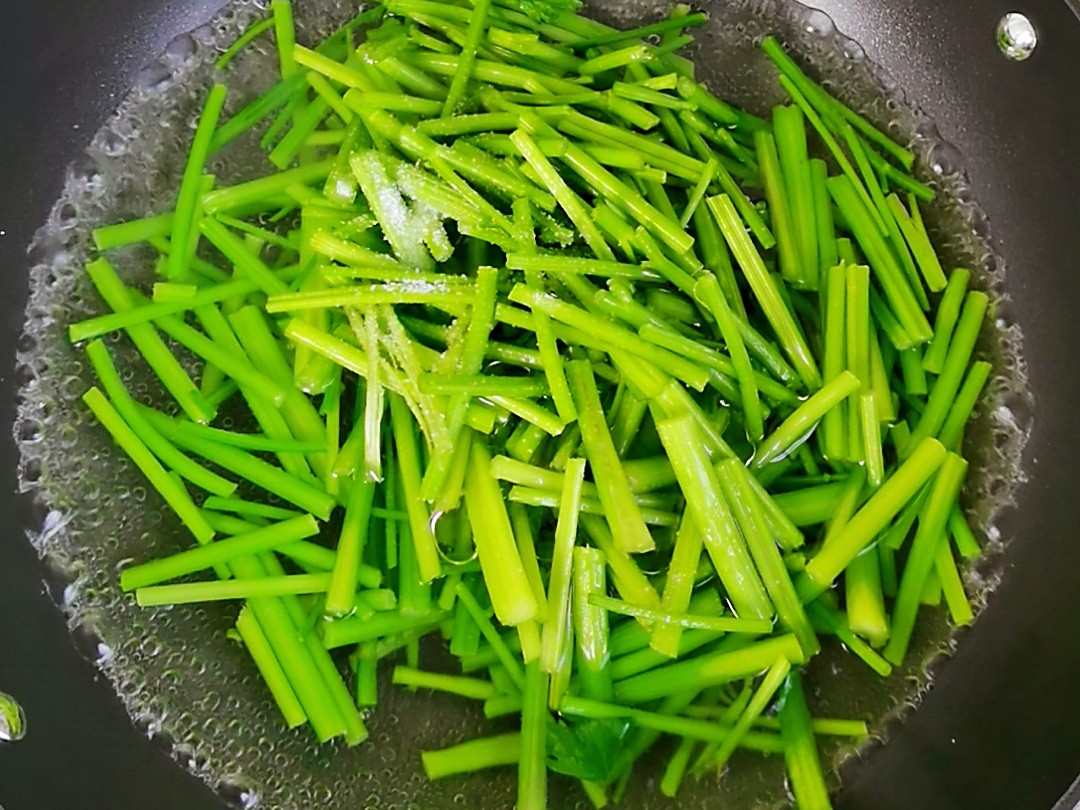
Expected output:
(678, 585)
(474, 755)
(945, 321)
(270, 668)
(834, 435)
(707, 670)
(153, 349)
(788, 237)
(874, 515)
(761, 283)
(408, 457)
(727, 549)
(928, 538)
(558, 627)
(798, 426)
(713, 624)
(952, 587)
(811, 505)
(154, 441)
(473, 688)
(504, 572)
(189, 592)
(889, 274)
(628, 579)
(921, 249)
(568, 199)
(865, 599)
(341, 591)
(620, 508)
(171, 491)
(739, 493)
(273, 479)
(590, 623)
(966, 544)
(188, 197)
(707, 290)
(770, 683)
(532, 764)
(800, 748)
(948, 383)
(221, 551)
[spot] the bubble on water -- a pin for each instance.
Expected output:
(1016, 36)
(12, 719)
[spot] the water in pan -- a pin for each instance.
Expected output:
(195, 691)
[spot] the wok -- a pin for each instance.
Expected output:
(1000, 727)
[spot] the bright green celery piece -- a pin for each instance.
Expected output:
(532, 765)
(865, 599)
(797, 427)
(805, 774)
(408, 458)
(739, 492)
(558, 625)
(834, 435)
(270, 669)
(710, 669)
(790, 131)
(948, 383)
(952, 431)
(924, 548)
(341, 592)
(629, 580)
(474, 755)
(822, 570)
(149, 343)
(921, 249)
(890, 275)
(190, 186)
(705, 499)
(168, 486)
(591, 623)
(707, 289)
(620, 508)
(831, 106)
(759, 701)
(679, 585)
(857, 360)
(791, 338)
(900, 250)
(945, 321)
(154, 441)
(189, 592)
(788, 237)
(504, 572)
(713, 625)
(253, 332)
(610, 333)
(811, 505)
(221, 551)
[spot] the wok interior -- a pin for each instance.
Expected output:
(196, 691)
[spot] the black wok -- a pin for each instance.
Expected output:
(1001, 726)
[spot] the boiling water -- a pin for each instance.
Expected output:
(196, 692)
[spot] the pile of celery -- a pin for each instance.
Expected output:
(553, 353)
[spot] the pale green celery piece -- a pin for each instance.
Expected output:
(504, 573)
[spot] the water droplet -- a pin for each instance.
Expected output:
(818, 22)
(12, 719)
(1016, 36)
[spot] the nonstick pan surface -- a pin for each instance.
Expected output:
(1000, 728)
